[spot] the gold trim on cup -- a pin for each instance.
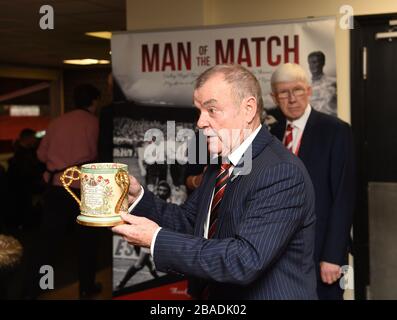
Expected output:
(123, 181)
(66, 183)
(99, 224)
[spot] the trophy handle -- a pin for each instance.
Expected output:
(67, 180)
(123, 182)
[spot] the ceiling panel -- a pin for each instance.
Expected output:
(77, 7)
(24, 43)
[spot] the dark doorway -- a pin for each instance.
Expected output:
(374, 110)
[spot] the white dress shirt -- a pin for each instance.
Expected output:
(234, 159)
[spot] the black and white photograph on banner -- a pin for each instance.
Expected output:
(323, 85)
(163, 72)
(156, 152)
(154, 157)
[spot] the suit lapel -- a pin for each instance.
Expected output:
(261, 140)
(307, 140)
(306, 143)
(241, 169)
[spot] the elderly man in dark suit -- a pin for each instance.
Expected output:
(247, 232)
(324, 144)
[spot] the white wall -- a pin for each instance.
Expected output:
(158, 14)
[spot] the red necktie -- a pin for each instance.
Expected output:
(220, 185)
(288, 141)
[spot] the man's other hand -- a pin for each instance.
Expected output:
(329, 272)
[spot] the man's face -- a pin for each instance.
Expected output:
(220, 118)
(315, 66)
(163, 192)
(292, 98)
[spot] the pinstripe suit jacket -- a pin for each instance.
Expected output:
(263, 246)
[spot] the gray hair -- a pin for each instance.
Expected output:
(243, 83)
(288, 72)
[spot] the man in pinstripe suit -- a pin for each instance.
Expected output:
(261, 246)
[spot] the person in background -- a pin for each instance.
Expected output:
(24, 180)
(71, 140)
(325, 145)
(164, 191)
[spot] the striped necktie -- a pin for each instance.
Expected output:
(220, 185)
(288, 139)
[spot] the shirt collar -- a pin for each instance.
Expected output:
(301, 122)
(237, 154)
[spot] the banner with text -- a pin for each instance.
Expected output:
(159, 68)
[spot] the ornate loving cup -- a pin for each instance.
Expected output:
(104, 192)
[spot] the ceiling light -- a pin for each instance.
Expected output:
(85, 62)
(100, 34)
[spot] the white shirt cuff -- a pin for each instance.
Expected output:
(136, 201)
(154, 240)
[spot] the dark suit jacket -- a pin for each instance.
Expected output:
(327, 151)
(263, 246)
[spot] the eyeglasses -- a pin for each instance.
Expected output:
(285, 94)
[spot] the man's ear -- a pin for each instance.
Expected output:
(250, 108)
